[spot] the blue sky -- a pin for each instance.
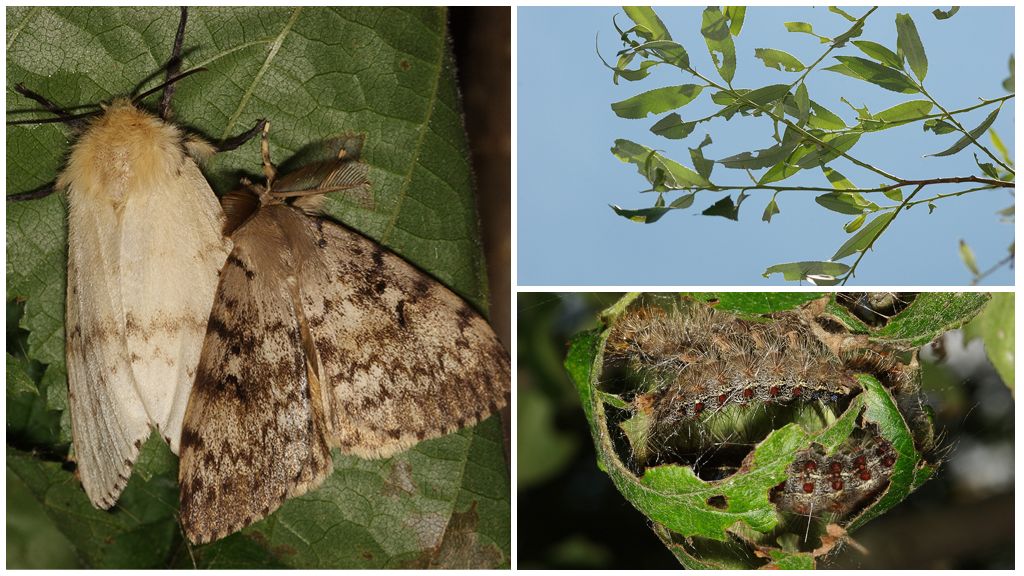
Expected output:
(567, 177)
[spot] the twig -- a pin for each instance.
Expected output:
(853, 268)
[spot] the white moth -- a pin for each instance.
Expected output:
(145, 246)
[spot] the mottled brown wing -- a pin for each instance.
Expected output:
(404, 359)
(253, 430)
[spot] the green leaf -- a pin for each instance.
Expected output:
(897, 115)
(931, 314)
(655, 167)
(967, 255)
(673, 126)
(938, 126)
(944, 14)
(846, 203)
(715, 29)
(838, 181)
(866, 237)
(643, 215)
(875, 73)
(880, 53)
(778, 59)
(735, 14)
(392, 80)
(854, 31)
(853, 225)
(701, 164)
(805, 28)
(974, 134)
(824, 118)
(726, 208)
(770, 210)
(657, 101)
(896, 195)
(987, 167)
(648, 20)
(18, 381)
(1008, 83)
(759, 158)
(995, 326)
(837, 144)
(795, 271)
(909, 46)
(841, 12)
(998, 143)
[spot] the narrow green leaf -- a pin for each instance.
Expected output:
(758, 159)
(938, 126)
(896, 195)
(998, 143)
(795, 271)
(657, 101)
(799, 27)
(651, 164)
(908, 45)
(880, 53)
(863, 239)
(854, 224)
(967, 255)
(1008, 83)
(944, 14)
(701, 164)
(874, 73)
(735, 14)
(803, 103)
(854, 31)
(841, 12)
(645, 17)
(838, 181)
(644, 215)
(975, 134)
(632, 75)
(987, 167)
(715, 29)
(778, 59)
(684, 201)
(838, 144)
(673, 126)
(846, 203)
(770, 210)
(897, 115)
(824, 118)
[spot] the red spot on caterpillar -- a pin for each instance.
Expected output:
(698, 407)
(860, 461)
(835, 467)
(748, 393)
(721, 399)
(773, 391)
(796, 392)
(837, 485)
(810, 466)
(888, 461)
(865, 474)
(808, 487)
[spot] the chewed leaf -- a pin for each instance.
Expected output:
(866, 237)
(795, 271)
(873, 72)
(656, 101)
(778, 59)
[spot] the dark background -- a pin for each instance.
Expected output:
(571, 516)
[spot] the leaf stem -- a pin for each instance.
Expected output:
(996, 266)
(832, 46)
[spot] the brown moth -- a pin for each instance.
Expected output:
(320, 338)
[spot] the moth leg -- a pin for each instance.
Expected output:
(232, 143)
(173, 65)
(41, 192)
(50, 106)
(268, 167)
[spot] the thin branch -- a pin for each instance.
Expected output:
(988, 182)
(832, 46)
(961, 128)
(853, 268)
(996, 266)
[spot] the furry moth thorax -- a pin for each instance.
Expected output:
(127, 148)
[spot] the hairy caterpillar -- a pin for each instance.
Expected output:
(320, 338)
(702, 388)
(144, 250)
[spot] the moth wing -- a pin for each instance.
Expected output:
(253, 430)
(172, 252)
(108, 420)
(404, 358)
